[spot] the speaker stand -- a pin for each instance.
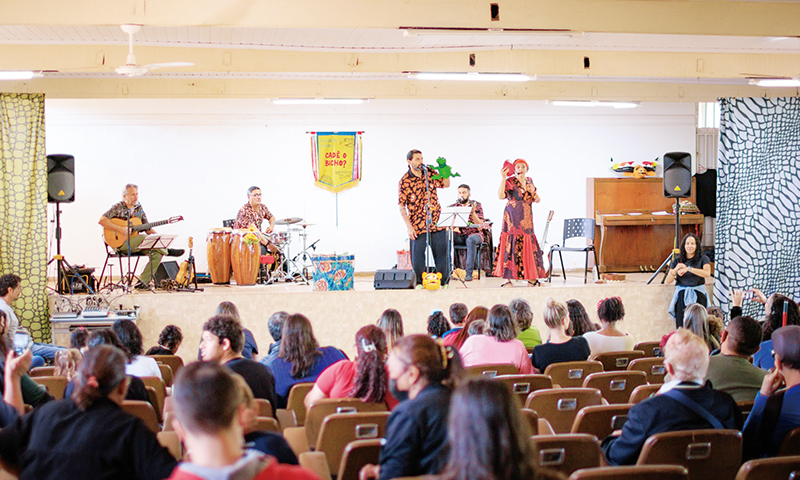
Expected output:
(676, 246)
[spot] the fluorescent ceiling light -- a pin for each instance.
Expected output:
(317, 101)
(593, 103)
(776, 82)
(11, 75)
(468, 31)
(477, 77)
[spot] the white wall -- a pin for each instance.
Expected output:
(197, 158)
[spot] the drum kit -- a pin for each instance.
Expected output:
(280, 265)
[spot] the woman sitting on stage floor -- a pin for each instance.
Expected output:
(609, 338)
(498, 344)
(300, 358)
(689, 269)
(560, 347)
(365, 378)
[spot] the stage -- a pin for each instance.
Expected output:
(336, 316)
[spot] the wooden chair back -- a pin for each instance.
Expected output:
(616, 387)
(523, 385)
(42, 372)
(560, 406)
(340, 429)
(144, 411)
(166, 374)
(769, 468)
(532, 418)
(267, 424)
(491, 370)
(264, 407)
(790, 446)
(650, 472)
(601, 420)
(294, 402)
(643, 392)
(706, 454)
(175, 362)
(653, 367)
(357, 454)
(617, 360)
(161, 392)
(56, 385)
(650, 349)
(328, 406)
(566, 453)
(171, 442)
(572, 374)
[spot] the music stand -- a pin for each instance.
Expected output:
(450, 218)
(156, 240)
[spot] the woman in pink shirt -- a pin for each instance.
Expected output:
(365, 377)
(499, 343)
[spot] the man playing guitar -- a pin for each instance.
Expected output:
(130, 208)
(253, 213)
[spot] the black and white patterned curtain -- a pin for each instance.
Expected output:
(758, 199)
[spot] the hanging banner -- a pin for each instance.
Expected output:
(336, 160)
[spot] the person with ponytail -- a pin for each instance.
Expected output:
(87, 435)
(365, 378)
(560, 347)
(609, 338)
(422, 375)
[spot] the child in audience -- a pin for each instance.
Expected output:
(437, 324)
(498, 344)
(476, 327)
(391, 322)
(209, 420)
(78, 339)
(67, 362)
(477, 313)
(609, 338)
(169, 341)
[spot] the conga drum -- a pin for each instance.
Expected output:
(245, 259)
(218, 252)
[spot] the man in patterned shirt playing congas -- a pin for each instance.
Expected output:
(253, 213)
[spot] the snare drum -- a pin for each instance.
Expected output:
(280, 238)
(218, 253)
(245, 259)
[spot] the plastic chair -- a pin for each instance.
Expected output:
(560, 406)
(42, 372)
(616, 387)
(175, 362)
(790, 446)
(572, 374)
(357, 454)
(769, 468)
(617, 360)
(650, 472)
(601, 420)
(650, 349)
(144, 411)
(575, 228)
(566, 453)
(653, 368)
(171, 442)
(706, 454)
(328, 406)
(166, 374)
(491, 370)
(643, 392)
(340, 429)
(56, 385)
(523, 385)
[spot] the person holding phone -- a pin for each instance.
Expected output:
(13, 377)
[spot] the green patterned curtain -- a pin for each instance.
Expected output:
(23, 206)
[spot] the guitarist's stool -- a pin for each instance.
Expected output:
(112, 253)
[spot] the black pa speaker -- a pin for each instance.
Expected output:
(167, 271)
(395, 279)
(677, 174)
(60, 178)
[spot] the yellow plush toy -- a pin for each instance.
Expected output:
(432, 281)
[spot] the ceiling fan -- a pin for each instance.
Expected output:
(131, 69)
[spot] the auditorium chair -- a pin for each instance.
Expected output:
(706, 454)
(650, 472)
(316, 462)
(175, 362)
(144, 411)
(617, 360)
(653, 367)
(572, 374)
(532, 419)
(340, 429)
(267, 424)
(491, 370)
(566, 453)
(560, 406)
(56, 385)
(600, 420)
(745, 406)
(294, 402)
(161, 392)
(650, 349)
(171, 442)
(616, 387)
(42, 372)
(327, 406)
(357, 454)
(523, 385)
(643, 392)
(770, 469)
(264, 407)
(166, 425)
(790, 446)
(166, 374)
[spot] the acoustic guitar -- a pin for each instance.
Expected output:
(114, 239)
(186, 274)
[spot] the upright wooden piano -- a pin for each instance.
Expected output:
(630, 235)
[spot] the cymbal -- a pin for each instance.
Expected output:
(306, 224)
(288, 221)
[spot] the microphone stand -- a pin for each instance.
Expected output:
(428, 217)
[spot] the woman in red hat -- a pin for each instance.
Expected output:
(518, 253)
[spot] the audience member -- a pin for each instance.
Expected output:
(773, 320)
(365, 378)
(476, 327)
(131, 339)
(250, 349)
(67, 362)
(498, 344)
(78, 339)
(731, 370)
(422, 374)
(695, 319)
(222, 341)
(169, 341)
(13, 369)
(686, 403)
(528, 334)
(391, 322)
(275, 326)
(437, 324)
(32, 393)
(458, 314)
(477, 313)
(716, 322)
(776, 412)
(579, 322)
(560, 347)
(208, 411)
(300, 358)
(270, 443)
(87, 435)
(609, 338)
